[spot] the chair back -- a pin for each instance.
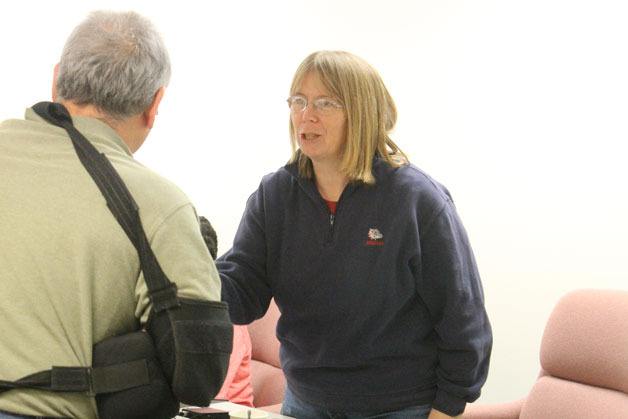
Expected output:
(584, 356)
(267, 378)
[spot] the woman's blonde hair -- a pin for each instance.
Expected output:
(370, 110)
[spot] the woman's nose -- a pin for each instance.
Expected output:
(308, 113)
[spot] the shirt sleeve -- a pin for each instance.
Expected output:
(449, 284)
(237, 387)
(245, 285)
(182, 254)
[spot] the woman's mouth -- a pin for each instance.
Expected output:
(308, 136)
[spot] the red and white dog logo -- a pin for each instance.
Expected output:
(375, 237)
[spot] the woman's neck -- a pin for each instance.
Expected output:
(330, 181)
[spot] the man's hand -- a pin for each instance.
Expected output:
(435, 414)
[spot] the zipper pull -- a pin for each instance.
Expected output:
(331, 219)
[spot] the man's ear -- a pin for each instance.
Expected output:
(151, 112)
(55, 74)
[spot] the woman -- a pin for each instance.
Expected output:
(381, 302)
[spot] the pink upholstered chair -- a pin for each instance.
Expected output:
(269, 383)
(584, 361)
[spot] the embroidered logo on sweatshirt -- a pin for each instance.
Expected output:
(375, 238)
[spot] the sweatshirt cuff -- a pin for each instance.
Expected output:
(448, 403)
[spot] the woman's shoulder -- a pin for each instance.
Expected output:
(276, 183)
(416, 184)
(282, 177)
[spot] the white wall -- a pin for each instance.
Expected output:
(518, 107)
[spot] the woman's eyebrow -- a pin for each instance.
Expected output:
(315, 97)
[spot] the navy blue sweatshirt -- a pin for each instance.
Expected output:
(381, 306)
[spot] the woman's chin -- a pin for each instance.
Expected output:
(309, 151)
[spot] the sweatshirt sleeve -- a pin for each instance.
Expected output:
(449, 284)
(242, 269)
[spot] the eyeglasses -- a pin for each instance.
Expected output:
(321, 105)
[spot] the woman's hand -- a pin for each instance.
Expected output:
(209, 236)
(435, 414)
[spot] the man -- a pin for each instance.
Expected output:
(70, 275)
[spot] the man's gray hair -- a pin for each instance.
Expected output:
(115, 61)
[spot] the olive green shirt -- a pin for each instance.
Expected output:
(69, 275)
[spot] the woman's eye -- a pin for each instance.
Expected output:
(325, 104)
(297, 103)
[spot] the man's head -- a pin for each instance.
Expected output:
(114, 62)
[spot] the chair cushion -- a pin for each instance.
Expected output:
(264, 341)
(586, 339)
(269, 383)
(553, 398)
(508, 410)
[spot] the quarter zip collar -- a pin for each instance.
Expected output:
(309, 187)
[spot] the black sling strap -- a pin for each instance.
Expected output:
(85, 379)
(162, 292)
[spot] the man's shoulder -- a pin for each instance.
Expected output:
(150, 184)
(29, 128)
(156, 196)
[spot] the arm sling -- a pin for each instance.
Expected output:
(182, 354)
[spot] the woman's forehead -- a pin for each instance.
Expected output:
(312, 85)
